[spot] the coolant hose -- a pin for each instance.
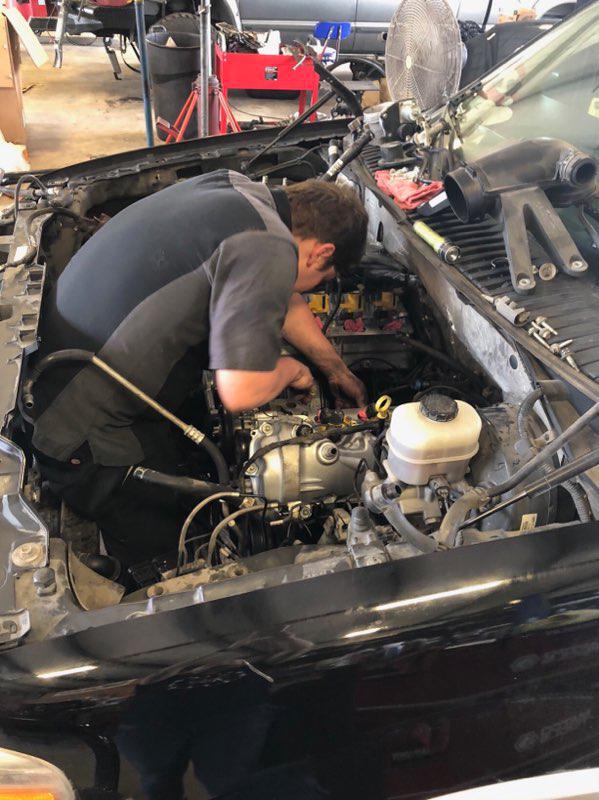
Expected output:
(398, 520)
(458, 512)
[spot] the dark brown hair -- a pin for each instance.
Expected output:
(332, 213)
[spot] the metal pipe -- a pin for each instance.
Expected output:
(140, 26)
(192, 433)
(205, 12)
(196, 436)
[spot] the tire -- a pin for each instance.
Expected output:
(180, 22)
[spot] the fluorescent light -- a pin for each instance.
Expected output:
(46, 676)
(362, 632)
(425, 598)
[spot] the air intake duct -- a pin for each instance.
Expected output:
(520, 185)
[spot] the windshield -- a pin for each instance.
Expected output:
(551, 89)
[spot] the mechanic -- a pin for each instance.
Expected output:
(206, 273)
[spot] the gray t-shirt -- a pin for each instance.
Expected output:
(197, 275)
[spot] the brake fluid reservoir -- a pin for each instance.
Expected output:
(437, 436)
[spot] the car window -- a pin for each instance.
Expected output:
(549, 89)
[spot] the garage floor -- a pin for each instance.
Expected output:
(81, 112)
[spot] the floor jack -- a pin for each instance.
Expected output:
(216, 103)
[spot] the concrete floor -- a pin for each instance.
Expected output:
(81, 112)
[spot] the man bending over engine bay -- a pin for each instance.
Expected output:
(204, 274)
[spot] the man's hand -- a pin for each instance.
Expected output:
(347, 389)
(303, 381)
(301, 331)
(241, 390)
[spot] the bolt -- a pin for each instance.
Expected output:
(547, 271)
(305, 512)
(524, 283)
(28, 554)
(252, 470)
(327, 453)
(538, 337)
(577, 265)
(44, 580)
(267, 429)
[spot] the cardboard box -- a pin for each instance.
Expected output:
(12, 122)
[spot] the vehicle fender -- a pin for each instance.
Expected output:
(226, 11)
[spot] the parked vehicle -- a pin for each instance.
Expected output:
(370, 18)
(406, 652)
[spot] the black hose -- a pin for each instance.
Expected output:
(218, 460)
(58, 357)
(335, 308)
(178, 483)
(487, 15)
(338, 88)
(27, 178)
(525, 409)
(65, 212)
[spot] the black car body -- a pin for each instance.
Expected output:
(364, 674)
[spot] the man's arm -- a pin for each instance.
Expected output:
(301, 330)
(242, 390)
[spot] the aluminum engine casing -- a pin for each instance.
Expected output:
(305, 473)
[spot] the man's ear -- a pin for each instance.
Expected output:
(321, 255)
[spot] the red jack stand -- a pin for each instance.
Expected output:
(217, 104)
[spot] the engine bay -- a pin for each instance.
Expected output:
(446, 454)
(315, 488)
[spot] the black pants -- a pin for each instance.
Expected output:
(137, 521)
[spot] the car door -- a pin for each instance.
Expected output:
(372, 20)
(296, 20)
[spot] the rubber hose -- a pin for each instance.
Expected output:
(218, 459)
(398, 520)
(178, 483)
(579, 499)
(457, 514)
(526, 407)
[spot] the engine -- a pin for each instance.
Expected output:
(308, 473)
